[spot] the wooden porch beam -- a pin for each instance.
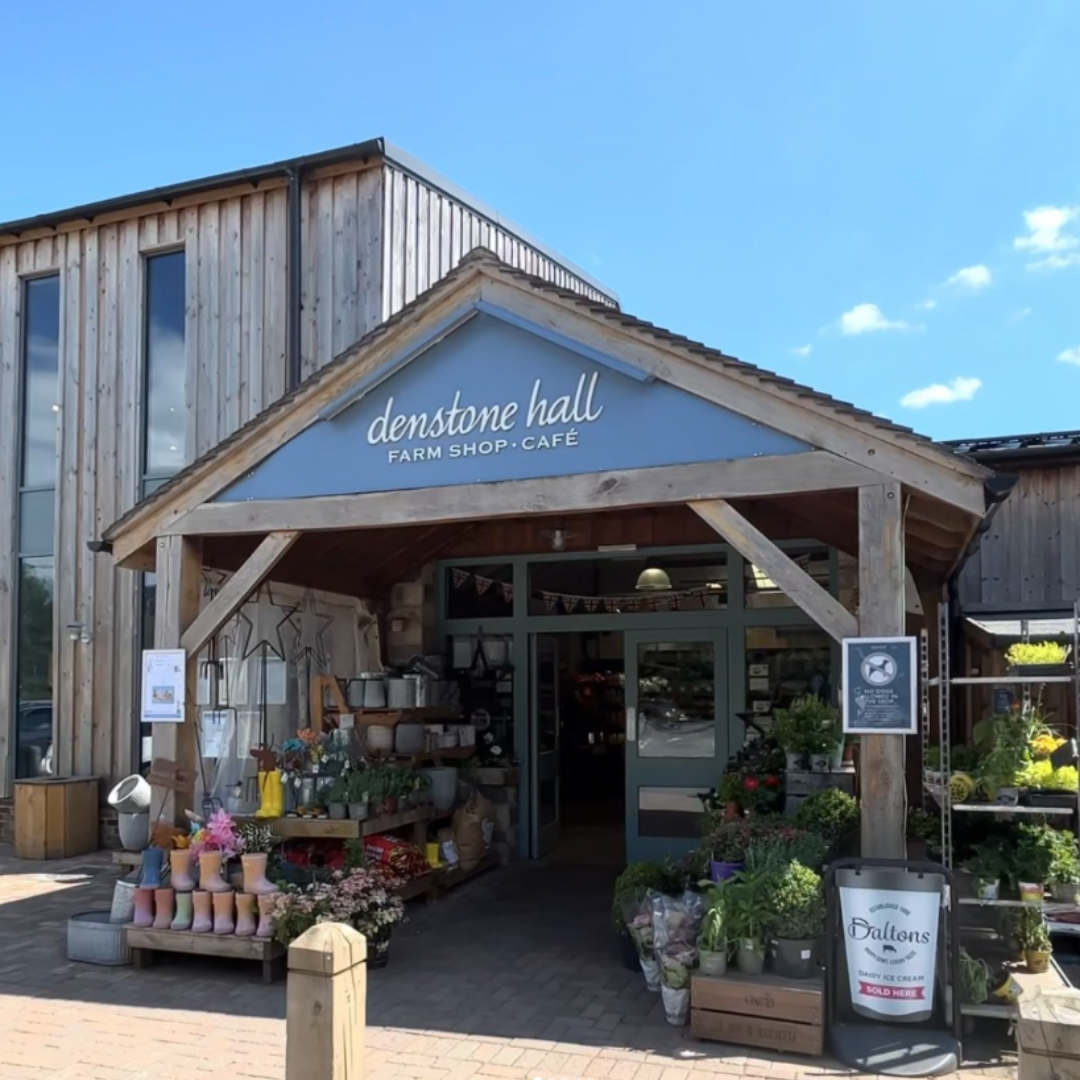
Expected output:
(781, 474)
(236, 590)
(755, 546)
(881, 614)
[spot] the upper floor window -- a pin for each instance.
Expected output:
(166, 418)
(40, 381)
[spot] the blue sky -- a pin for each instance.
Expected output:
(879, 199)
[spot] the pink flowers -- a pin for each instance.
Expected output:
(218, 834)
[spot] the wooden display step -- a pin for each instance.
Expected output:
(393, 717)
(145, 943)
(766, 1011)
(127, 858)
(326, 829)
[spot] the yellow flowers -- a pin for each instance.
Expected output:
(1042, 746)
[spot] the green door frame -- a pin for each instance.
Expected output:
(735, 618)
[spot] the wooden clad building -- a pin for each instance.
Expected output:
(277, 270)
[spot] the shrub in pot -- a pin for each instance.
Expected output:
(1065, 868)
(1033, 859)
(797, 905)
(337, 797)
(712, 941)
(832, 814)
(807, 727)
(987, 866)
(1033, 937)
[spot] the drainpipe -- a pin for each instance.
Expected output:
(293, 362)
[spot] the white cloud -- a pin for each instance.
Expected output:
(1056, 262)
(866, 319)
(1045, 225)
(971, 277)
(803, 350)
(1070, 356)
(926, 305)
(960, 389)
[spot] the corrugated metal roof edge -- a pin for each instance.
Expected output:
(484, 258)
(361, 151)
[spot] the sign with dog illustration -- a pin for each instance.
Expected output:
(880, 686)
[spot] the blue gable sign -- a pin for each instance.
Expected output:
(496, 401)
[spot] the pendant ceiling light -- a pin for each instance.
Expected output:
(653, 579)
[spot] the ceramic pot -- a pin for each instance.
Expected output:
(1007, 796)
(164, 902)
(987, 890)
(185, 912)
(712, 963)
(223, 912)
(819, 763)
(358, 811)
(144, 908)
(255, 881)
(1037, 961)
(1066, 892)
(336, 810)
(265, 928)
(795, 762)
(750, 957)
(795, 957)
(721, 871)
(180, 871)
(245, 914)
(1031, 892)
(210, 878)
(130, 796)
(202, 920)
(134, 831)
(153, 859)
(836, 758)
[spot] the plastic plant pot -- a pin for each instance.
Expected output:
(1031, 892)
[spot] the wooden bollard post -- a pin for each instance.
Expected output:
(326, 1004)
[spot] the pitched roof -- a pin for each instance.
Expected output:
(483, 258)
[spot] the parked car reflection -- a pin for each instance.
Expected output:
(34, 735)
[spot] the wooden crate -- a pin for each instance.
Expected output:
(145, 943)
(1048, 1034)
(765, 1011)
(56, 818)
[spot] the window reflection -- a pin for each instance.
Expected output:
(763, 592)
(41, 381)
(676, 700)
(166, 414)
(34, 721)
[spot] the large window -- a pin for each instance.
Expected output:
(33, 728)
(40, 381)
(165, 419)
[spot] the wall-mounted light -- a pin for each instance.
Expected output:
(78, 632)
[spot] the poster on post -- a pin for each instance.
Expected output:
(880, 686)
(163, 692)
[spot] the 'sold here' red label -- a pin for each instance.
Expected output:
(906, 993)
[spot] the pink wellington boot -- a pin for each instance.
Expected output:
(210, 879)
(223, 913)
(245, 914)
(180, 871)
(255, 880)
(163, 906)
(144, 908)
(202, 923)
(266, 910)
(184, 912)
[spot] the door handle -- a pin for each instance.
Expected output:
(631, 724)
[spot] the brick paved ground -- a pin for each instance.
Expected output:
(512, 976)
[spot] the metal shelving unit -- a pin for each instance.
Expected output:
(939, 787)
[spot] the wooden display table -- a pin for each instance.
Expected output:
(56, 818)
(298, 828)
(145, 943)
(763, 1010)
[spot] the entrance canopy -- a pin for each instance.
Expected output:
(495, 395)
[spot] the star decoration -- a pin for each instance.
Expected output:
(213, 580)
(309, 626)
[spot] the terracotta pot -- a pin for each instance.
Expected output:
(731, 811)
(185, 912)
(223, 912)
(163, 906)
(245, 914)
(180, 871)
(203, 922)
(266, 907)
(144, 908)
(210, 879)
(255, 881)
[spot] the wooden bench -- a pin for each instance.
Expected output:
(145, 943)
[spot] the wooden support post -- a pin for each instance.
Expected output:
(755, 546)
(236, 590)
(176, 606)
(326, 1004)
(882, 582)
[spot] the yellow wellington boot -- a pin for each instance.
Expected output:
(266, 797)
(277, 789)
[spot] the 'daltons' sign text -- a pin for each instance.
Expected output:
(493, 401)
(542, 423)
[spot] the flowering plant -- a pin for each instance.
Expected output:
(218, 834)
(365, 898)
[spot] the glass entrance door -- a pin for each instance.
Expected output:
(544, 739)
(676, 736)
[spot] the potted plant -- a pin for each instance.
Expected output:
(358, 789)
(747, 917)
(337, 797)
(974, 979)
(1034, 659)
(1049, 787)
(728, 846)
(987, 866)
(806, 728)
(1033, 858)
(831, 813)
(637, 879)
(923, 834)
(1034, 938)
(731, 790)
(676, 925)
(1005, 761)
(1065, 869)
(712, 941)
(789, 731)
(797, 905)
